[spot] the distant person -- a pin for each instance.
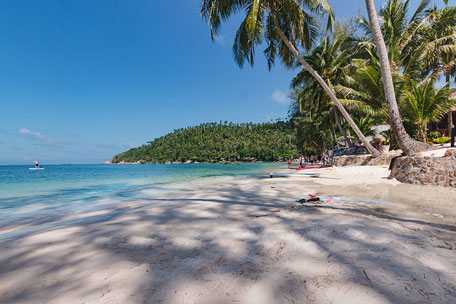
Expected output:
(324, 158)
(37, 165)
(330, 155)
(289, 163)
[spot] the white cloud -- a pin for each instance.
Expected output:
(39, 136)
(220, 40)
(28, 132)
(279, 96)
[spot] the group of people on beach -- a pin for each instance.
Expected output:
(326, 158)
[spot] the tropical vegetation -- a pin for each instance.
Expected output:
(423, 103)
(403, 93)
(218, 142)
(352, 75)
(283, 27)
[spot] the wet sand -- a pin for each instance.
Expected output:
(247, 241)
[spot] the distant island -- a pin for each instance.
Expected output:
(217, 142)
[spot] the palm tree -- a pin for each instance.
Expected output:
(312, 133)
(406, 143)
(445, 55)
(366, 124)
(422, 104)
(362, 88)
(284, 26)
(328, 59)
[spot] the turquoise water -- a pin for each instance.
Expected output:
(44, 196)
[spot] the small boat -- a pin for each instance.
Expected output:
(317, 167)
(36, 168)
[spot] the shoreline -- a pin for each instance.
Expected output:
(190, 162)
(245, 240)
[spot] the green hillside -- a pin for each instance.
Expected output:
(215, 142)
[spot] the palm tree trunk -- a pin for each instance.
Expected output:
(341, 129)
(334, 135)
(328, 90)
(333, 138)
(393, 142)
(422, 133)
(406, 143)
(450, 114)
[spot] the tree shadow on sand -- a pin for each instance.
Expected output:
(225, 245)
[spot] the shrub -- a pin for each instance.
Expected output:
(441, 140)
(433, 135)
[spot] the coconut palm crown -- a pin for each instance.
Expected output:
(422, 104)
(295, 18)
(284, 26)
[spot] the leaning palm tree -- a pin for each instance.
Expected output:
(422, 104)
(284, 25)
(406, 143)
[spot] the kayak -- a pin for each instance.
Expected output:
(318, 167)
(36, 168)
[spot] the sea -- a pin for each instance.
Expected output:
(32, 201)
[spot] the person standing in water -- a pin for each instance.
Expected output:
(37, 165)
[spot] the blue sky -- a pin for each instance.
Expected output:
(83, 80)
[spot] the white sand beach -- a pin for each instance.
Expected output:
(247, 241)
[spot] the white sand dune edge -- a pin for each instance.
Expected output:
(245, 241)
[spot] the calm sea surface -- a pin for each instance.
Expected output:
(38, 198)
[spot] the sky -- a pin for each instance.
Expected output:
(81, 81)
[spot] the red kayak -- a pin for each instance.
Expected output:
(312, 168)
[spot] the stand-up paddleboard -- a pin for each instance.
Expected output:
(317, 167)
(37, 166)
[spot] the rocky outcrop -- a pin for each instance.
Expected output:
(365, 160)
(437, 169)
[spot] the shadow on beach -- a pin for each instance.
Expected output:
(244, 242)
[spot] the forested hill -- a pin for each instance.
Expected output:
(218, 142)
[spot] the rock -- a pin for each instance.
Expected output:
(438, 170)
(449, 152)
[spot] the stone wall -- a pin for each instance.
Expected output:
(424, 169)
(365, 160)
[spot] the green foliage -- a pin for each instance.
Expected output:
(433, 135)
(313, 132)
(261, 19)
(365, 124)
(441, 140)
(213, 142)
(312, 135)
(421, 47)
(386, 135)
(422, 104)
